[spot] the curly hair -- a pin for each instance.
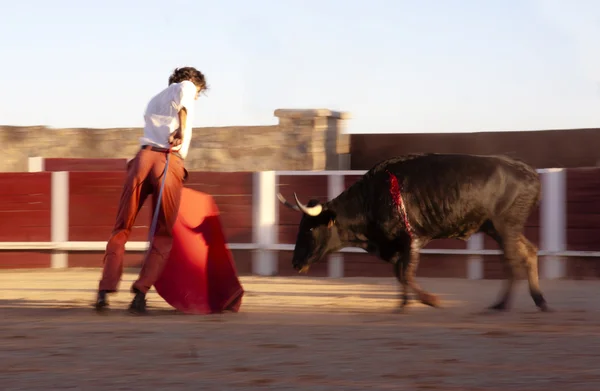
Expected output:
(188, 73)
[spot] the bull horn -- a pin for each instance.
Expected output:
(286, 203)
(309, 210)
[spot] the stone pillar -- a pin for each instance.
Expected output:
(338, 151)
(314, 139)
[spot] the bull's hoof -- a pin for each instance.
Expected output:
(500, 306)
(402, 303)
(540, 302)
(304, 270)
(544, 308)
(429, 299)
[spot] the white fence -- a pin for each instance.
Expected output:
(552, 226)
(265, 223)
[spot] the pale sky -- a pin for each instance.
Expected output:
(395, 66)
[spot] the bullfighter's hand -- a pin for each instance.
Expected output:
(175, 138)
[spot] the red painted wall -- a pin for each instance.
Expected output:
(94, 199)
(24, 217)
(25, 206)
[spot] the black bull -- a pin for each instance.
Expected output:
(403, 203)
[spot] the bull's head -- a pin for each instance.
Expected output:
(317, 234)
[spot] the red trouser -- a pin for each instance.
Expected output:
(144, 177)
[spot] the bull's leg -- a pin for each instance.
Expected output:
(400, 271)
(529, 257)
(510, 246)
(409, 274)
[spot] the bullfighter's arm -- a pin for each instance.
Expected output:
(177, 136)
(184, 101)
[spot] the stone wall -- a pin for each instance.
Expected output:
(303, 140)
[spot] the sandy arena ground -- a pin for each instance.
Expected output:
(298, 334)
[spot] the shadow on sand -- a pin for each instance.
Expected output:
(15, 308)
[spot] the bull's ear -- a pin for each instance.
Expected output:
(331, 222)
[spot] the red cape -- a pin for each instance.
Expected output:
(200, 276)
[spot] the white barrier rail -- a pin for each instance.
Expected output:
(93, 246)
(265, 221)
(136, 246)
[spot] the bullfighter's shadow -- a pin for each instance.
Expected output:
(21, 308)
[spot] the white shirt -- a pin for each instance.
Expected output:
(162, 117)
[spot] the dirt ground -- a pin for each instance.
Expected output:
(298, 334)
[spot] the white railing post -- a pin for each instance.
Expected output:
(60, 217)
(36, 164)
(475, 262)
(553, 221)
(264, 226)
(335, 185)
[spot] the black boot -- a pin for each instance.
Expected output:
(101, 301)
(138, 304)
